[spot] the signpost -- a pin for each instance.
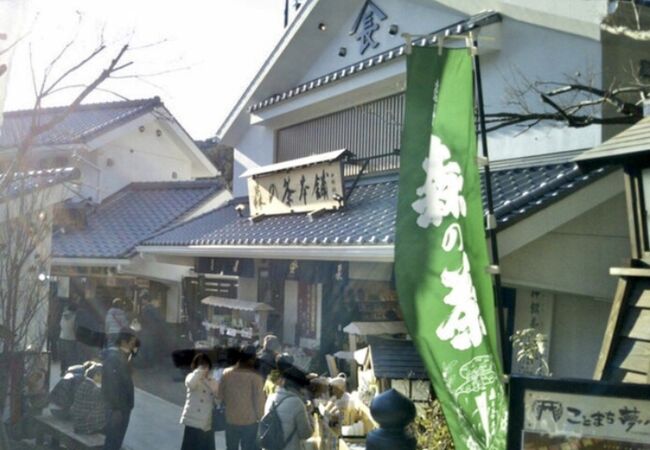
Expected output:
(555, 413)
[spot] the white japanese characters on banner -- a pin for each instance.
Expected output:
(297, 190)
(605, 421)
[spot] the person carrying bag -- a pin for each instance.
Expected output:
(285, 424)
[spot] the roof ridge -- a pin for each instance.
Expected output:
(154, 101)
(176, 184)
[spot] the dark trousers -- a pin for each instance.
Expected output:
(68, 354)
(117, 421)
(244, 434)
(195, 439)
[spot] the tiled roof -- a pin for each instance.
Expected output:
(86, 122)
(34, 180)
(369, 216)
(396, 359)
(455, 29)
(132, 215)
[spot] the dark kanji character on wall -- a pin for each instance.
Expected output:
(324, 191)
(610, 417)
(273, 192)
(258, 200)
(287, 196)
(316, 191)
(304, 187)
(629, 417)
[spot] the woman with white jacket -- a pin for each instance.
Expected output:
(197, 412)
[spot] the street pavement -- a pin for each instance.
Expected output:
(154, 422)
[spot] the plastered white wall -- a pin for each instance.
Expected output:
(578, 327)
(141, 156)
(576, 257)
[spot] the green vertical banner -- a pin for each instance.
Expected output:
(441, 256)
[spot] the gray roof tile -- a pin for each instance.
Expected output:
(131, 215)
(34, 180)
(369, 216)
(86, 122)
(396, 359)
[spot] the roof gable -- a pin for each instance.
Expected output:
(306, 44)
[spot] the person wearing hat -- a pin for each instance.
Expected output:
(290, 407)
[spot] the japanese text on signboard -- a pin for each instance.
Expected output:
(298, 190)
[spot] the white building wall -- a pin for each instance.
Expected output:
(255, 149)
(578, 328)
(528, 53)
(576, 257)
(141, 156)
(570, 269)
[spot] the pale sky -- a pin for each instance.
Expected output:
(214, 46)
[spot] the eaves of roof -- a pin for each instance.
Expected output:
(131, 215)
(37, 180)
(432, 39)
(366, 226)
(629, 146)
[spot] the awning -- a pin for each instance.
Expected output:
(629, 146)
(375, 328)
(231, 303)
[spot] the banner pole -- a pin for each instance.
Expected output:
(491, 218)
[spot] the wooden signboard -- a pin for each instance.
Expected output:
(299, 186)
(555, 413)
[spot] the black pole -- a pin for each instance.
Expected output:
(286, 13)
(491, 220)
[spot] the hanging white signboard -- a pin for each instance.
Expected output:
(299, 186)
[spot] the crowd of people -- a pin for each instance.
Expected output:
(255, 389)
(250, 393)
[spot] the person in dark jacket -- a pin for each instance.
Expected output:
(117, 388)
(88, 411)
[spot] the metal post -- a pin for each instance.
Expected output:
(491, 219)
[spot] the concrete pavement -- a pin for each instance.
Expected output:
(154, 422)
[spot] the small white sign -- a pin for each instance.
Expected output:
(560, 414)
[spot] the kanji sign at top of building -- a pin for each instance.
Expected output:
(366, 24)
